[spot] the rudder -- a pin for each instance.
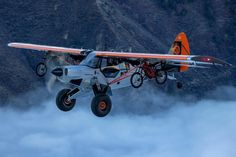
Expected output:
(181, 47)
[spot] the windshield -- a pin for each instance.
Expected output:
(91, 61)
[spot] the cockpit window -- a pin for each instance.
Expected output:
(109, 62)
(103, 62)
(91, 61)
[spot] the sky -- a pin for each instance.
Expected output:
(150, 123)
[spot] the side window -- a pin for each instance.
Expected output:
(109, 62)
(104, 62)
(108, 67)
(124, 66)
(112, 61)
(93, 62)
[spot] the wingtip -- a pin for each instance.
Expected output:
(9, 44)
(228, 65)
(231, 66)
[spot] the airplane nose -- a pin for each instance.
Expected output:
(57, 72)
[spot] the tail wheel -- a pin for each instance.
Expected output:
(63, 102)
(161, 77)
(41, 69)
(136, 80)
(101, 105)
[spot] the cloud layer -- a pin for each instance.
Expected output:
(205, 128)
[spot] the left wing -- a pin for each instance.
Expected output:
(47, 48)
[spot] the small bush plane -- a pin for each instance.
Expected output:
(102, 71)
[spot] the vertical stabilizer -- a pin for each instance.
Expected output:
(180, 47)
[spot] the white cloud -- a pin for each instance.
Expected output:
(202, 129)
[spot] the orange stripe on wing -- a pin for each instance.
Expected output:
(141, 55)
(45, 48)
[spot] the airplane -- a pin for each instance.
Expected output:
(103, 71)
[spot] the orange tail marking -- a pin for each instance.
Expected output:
(181, 47)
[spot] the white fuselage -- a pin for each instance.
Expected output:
(119, 77)
(87, 73)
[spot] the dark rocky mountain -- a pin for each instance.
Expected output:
(143, 25)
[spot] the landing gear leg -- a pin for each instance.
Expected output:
(101, 104)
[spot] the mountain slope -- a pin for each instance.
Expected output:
(143, 26)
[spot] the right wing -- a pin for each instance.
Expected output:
(178, 60)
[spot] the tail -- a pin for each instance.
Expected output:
(180, 47)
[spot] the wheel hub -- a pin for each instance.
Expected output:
(102, 105)
(67, 101)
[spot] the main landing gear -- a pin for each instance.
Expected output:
(101, 103)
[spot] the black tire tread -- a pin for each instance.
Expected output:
(59, 101)
(94, 105)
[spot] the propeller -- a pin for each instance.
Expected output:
(52, 62)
